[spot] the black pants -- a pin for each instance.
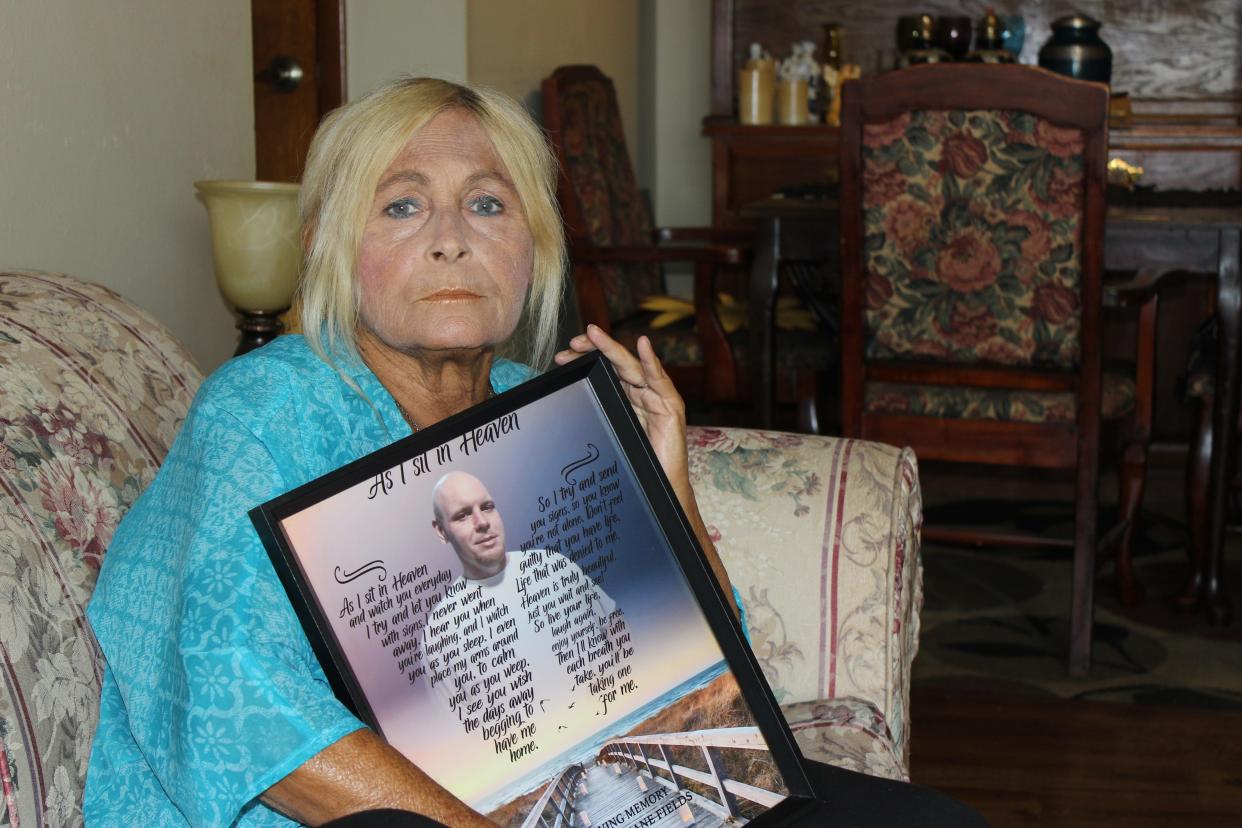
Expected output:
(861, 801)
(857, 801)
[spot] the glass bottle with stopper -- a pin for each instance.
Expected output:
(832, 45)
(915, 35)
(756, 85)
(989, 44)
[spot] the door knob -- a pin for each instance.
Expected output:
(284, 74)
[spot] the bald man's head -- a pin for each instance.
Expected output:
(465, 517)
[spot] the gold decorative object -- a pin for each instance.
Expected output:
(833, 80)
(1123, 174)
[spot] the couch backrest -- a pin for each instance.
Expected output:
(92, 393)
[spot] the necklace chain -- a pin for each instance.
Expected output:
(405, 415)
(414, 426)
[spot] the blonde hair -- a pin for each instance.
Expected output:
(350, 151)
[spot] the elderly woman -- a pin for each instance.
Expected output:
(433, 245)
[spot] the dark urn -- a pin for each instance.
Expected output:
(1075, 49)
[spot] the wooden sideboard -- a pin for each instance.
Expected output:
(750, 163)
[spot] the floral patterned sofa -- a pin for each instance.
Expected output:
(820, 535)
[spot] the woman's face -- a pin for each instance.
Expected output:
(446, 253)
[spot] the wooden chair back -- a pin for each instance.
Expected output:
(965, 304)
(598, 191)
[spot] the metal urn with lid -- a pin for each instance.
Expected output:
(1075, 49)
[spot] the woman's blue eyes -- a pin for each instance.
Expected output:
(487, 205)
(404, 208)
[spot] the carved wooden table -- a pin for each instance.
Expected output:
(788, 228)
(1197, 240)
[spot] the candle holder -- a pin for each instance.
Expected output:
(257, 252)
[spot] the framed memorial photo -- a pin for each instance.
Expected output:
(515, 601)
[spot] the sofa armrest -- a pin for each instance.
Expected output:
(821, 538)
(92, 393)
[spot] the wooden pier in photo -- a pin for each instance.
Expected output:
(633, 779)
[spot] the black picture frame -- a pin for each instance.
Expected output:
(660, 501)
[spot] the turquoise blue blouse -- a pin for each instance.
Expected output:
(211, 692)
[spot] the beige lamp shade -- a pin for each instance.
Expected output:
(254, 241)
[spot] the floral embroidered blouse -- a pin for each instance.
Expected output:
(211, 692)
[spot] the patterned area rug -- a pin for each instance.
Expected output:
(996, 620)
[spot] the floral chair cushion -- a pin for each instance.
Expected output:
(962, 402)
(92, 392)
(597, 165)
(972, 242)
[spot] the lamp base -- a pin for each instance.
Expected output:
(258, 328)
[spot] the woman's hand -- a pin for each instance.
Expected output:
(659, 407)
(662, 413)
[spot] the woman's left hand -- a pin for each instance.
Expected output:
(660, 408)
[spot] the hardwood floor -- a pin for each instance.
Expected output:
(1066, 763)
(1081, 763)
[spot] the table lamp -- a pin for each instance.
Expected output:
(257, 252)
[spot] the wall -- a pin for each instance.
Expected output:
(111, 112)
(387, 38)
(658, 55)
(514, 46)
(675, 83)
